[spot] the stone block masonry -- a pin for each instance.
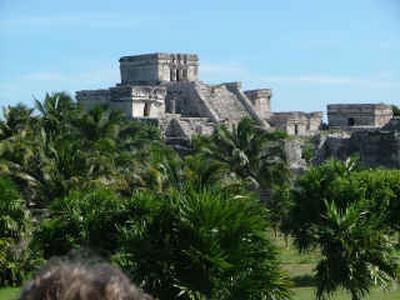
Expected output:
(344, 116)
(158, 67)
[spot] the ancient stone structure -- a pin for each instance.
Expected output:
(133, 101)
(297, 123)
(157, 68)
(375, 148)
(353, 116)
(165, 87)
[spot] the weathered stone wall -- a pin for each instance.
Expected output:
(261, 100)
(88, 99)
(158, 67)
(294, 155)
(335, 145)
(178, 131)
(124, 106)
(314, 122)
(223, 102)
(348, 115)
(236, 89)
(196, 126)
(393, 124)
(139, 101)
(297, 123)
(379, 148)
(383, 114)
(132, 101)
(291, 123)
(187, 99)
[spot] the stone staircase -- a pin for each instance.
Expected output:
(178, 131)
(224, 103)
(192, 126)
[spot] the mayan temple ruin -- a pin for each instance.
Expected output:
(166, 88)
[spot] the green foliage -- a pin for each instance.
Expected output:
(396, 110)
(187, 242)
(382, 190)
(15, 231)
(207, 241)
(357, 254)
(309, 150)
(342, 211)
(57, 111)
(328, 182)
(249, 151)
(65, 148)
(279, 205)
(206, 244)
(17, 119)
(86, 219)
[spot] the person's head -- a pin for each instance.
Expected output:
(77, 281)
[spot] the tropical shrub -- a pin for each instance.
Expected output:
(328, 182)
(83, 219)
(396, 110)
(200, 244)
(356, 253)
(249, 151)
(16, 259)
(338, 209)
(382, 190)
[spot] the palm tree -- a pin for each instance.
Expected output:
(249, 151)
(57, 111)
(356, 253)
(100, 123)
(331, 212)
(17, 120)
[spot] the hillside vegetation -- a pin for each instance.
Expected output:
(97, 186)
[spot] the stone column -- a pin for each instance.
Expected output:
(173, 105)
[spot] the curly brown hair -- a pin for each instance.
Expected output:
(77, 281)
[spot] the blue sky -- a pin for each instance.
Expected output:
(310, 52)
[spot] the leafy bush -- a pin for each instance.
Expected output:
(396, 110)
(328, 182)
(356, 253)
(16, 259)
(187, 243)
(309, 149)
(206, 244)
(86, 219)
(382, 190)
(349, 215)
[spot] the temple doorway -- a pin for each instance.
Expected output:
(146, 110)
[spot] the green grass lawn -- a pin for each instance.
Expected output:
(308, 294)
(304, 293)
(9, 293)
(300, 269)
